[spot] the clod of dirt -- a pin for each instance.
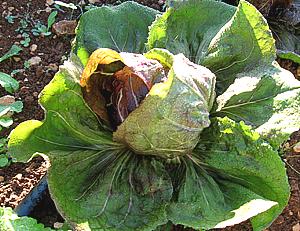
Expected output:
(7, 100)
(49, 2)
(19, 176)
(296, 227)
(58, 225)
(34, 61)
(11, 8)
(17, 59)
(48, 9)
(64, 27)
(33, 47)
(52, 67)
(296, 148)
(94, 1)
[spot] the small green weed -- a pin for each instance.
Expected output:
(8, 105)
(5, 160)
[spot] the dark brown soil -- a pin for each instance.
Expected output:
(291, 66)
(45, 211)
(19, 179)
(53, 50)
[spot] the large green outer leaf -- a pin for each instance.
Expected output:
(223, 41)
(266, 98)
(200, 203)
(170, 119)
(121, 28)
(69, 123)
(243, 49)
(87, 166)
(244, 43)
(128, 194)
(237, 155)
(189, 28)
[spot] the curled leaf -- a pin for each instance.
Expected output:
(115, 84)
(168, 122)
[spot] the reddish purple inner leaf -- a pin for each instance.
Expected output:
(126, 89)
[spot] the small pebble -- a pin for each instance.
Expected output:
(34, 60)
(296, 148)
(17, 59)
(35, 94)
(58, 225)
(7, 100)
(64, 27)
(280, 220)
(19, 176)
(296, 227)
(81, 3)
(94, 1)
(2, 178)
(24, 90)
(49, 2)
(39, 71)
(4, 5)
(53, 67)
(33, 47)
(48, 9)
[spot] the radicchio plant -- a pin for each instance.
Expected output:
(179, 122)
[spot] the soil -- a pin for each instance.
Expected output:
(45, 211)
(53, 50)
(18, 179)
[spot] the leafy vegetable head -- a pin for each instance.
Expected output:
(142, 100)
(110, 102)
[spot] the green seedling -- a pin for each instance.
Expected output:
(11, 19)
(26, 64)
(6, 81)
(41, 29)
(14, 50)
(23, 25)
(8, 106)
(26, 40)
(4, 158)
(14, 72)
